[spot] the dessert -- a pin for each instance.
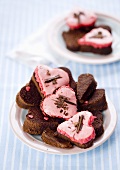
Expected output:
(98, 40)
(81, 19)
(83, 35)
(62, 111)
(86, 85)
(50, 137)
(97, 102)
(71, 37)
(78, 129)
(47, 80)
(35, 122)
(28, 96)
(62, 104)
(98, 123)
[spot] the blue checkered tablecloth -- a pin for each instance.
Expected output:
(18, 19)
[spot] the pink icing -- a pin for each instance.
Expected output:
(43, 72)
(88, 39)
(30, 116)
(27, 88)
(88, 19)
(87, 132)
(49, 107)
(46, 118)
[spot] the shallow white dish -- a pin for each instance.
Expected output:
(57, 43)
(17, 116)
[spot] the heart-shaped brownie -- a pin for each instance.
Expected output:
(62, 104)
(48, 80)
(80, 18)
(78, 129)
(97, 38)
(28, 96)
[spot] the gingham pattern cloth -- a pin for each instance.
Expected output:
(18, 19)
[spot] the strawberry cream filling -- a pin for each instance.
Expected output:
(98, 38)
(72, 130)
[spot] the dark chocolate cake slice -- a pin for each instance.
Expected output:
(71, 39)
(86, 85)
(35, 122)
(98, 123)
(28, 96)
(50, 137)
(84, 146)
(98, 40)
(97, 102)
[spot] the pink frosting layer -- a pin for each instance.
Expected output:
(49, 107)
(89, 39)
(43, 73)
(87, 132)
(88, 19)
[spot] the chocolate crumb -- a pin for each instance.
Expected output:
(61, 111)
(48, 73)
(65, 113)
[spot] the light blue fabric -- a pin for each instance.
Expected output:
(18, 19)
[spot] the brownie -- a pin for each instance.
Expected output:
(28, 96)
(86, 85)
(97, 102)
(98, 123)
(35, 122)
(102, 51)
(50, 137)
(71, 37)
(71, 40)
(84, 146)
(72, 82)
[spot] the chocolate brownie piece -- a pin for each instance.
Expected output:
(97, 102)
(86, 85)
(99, 115)
(84, 146)
(50, 137)
(98, 40)
(98, 123)
(71, 39)
(72, 82)
(102, 51)
(28, 96)
(35, 122)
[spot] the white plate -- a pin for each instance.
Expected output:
(57, 43)
(17, 116)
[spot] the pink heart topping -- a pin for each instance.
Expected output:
(62, 104)
(98, 38)
(50, 79)
(80, 18)
(78, 128)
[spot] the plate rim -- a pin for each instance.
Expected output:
(74, 57)
(46, 150)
